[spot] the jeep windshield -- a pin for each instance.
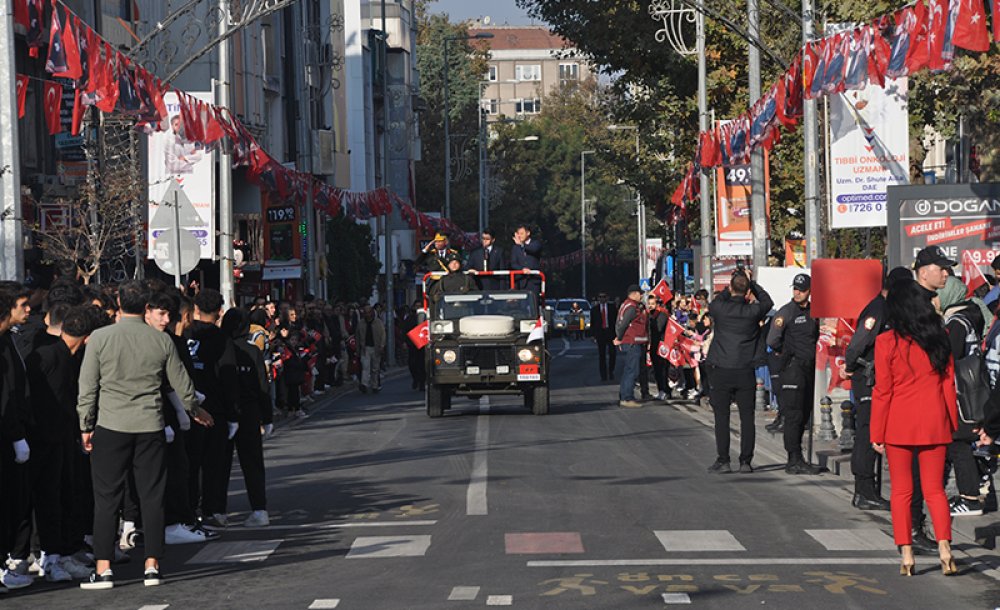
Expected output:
(518, 305)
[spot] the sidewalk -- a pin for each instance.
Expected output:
(974, 537)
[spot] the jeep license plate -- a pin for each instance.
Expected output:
(528, 372)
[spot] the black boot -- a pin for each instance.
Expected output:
(776, 425)
(866, 498)
(922, 545)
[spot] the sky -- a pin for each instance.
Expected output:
(499, 11)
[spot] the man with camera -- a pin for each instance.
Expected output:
(735, 352)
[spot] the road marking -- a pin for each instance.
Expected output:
(676, 598)
(236, 552)
(698, 540)
(565, 348)
(574, 355)
(160, 607)
(544, 543)
(723, 561)
(500, 600)
(475, 497)
(365, 547)
(863, 539)
(463, 594)
(333, 526)
(322, 604)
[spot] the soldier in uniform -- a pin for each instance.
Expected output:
(435, 255)
(859, 366)
(455, 281)
(793, 338)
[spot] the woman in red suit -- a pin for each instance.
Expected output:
(914, 413)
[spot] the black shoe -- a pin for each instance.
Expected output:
(801, 467)
(152, 577)
(745, 468)
(720, 466)
(776, 425)
(106, 580)
(208, 534)
(862, 502)
(364, 390)
(922, 545)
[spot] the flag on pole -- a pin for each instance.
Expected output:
(56, 61)
(971, 31)
(71, 51)
(420, 334)
(662, 291)
(538, 332)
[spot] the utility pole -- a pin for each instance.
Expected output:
(810, 128)
(390, 304)
(758, 206)
(226, 283)
(10, 157)
(707, 236)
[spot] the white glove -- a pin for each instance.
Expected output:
(21, 451)
(315, 371)
(182, 416)
(170, 434)
(268, 430)
(233, 427)
(199, 396)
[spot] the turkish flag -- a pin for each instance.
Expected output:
(36, 32)
(971, 274)
(95, 63)
(21, 14)
(107, 92)
(996, 20)
(662, 291)
(53, 103)
(420, 335)
(672, 332)
(22, 94)
(937, 25)
(970, 27)
(213, 129)
(71, 51)
(56, 61)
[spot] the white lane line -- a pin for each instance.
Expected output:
(676, 598)
(334, 526)
(159, 607)
(724, 561)
(500, 600)
(475, 497)
(463, 594)
(323, 604)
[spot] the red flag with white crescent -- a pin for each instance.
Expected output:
(420, 334)
(53, 102)
(971, 274)
(71, 51)
(22, 94)
(662, 291)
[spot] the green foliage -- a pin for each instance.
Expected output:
(353, 266)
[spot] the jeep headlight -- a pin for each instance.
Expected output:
(525, 355)
(442, 327)
(449, 356)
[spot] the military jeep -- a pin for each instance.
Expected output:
(486, 342)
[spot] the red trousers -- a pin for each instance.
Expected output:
(931, 460)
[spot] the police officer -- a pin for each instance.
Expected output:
(859, 365)
(793, 338)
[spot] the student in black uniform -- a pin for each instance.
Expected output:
(793, 338)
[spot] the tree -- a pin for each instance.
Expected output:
(353, 267)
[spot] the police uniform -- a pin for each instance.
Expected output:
(859, 361)
(793, 337)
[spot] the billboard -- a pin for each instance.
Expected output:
(733, 236)
(963, 219)
(869, 152)
(175, 160)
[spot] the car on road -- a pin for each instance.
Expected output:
(564, 321)
(486, 342)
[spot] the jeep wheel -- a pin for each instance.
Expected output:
(438, 400)
(537, 399)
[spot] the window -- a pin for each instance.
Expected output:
(527, 106)
(569, 73)
(490, 106)
(491, 74)
(528, 72)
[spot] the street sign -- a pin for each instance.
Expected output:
(645, 285)
(176, 213)
(163, 252)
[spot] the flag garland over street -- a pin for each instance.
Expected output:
(107, 79)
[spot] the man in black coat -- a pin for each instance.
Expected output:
(602, 326)
(525, 255)
(488, 258)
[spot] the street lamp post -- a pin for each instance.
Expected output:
(583, 218)
(640, 206)
(447, 119)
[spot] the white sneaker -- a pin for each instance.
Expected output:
(53, 569)
(19, 566)
(178, 534)
(127, 538)
(301, 414)
(258, 518)
(74, 568)
(13, 580)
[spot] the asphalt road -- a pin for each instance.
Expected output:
(376, 506)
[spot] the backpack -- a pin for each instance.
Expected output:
(971, 376)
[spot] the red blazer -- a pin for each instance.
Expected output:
(911, 403)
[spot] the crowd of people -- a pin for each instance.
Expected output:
(121, 410)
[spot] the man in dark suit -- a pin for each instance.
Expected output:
(488, 258)
(602, 325)
(526, 254)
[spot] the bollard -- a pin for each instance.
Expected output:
(761, 402)
(827, 432)
(846, 426)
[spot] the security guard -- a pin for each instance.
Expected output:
(435, 255)
(859, 365)
(793, 338)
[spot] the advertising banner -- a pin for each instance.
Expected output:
(869, 152)
(732, 209)
(963, 219)
(175, 160)
(795, 253)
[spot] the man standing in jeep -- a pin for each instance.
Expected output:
(631, 338)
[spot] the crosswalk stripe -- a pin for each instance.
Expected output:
(463, 594)
(676, 598)
(159, 607)
(698, 540)
(365, 547)
(236, 552)
(863, 539)
(500, 600)
(324, 604)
